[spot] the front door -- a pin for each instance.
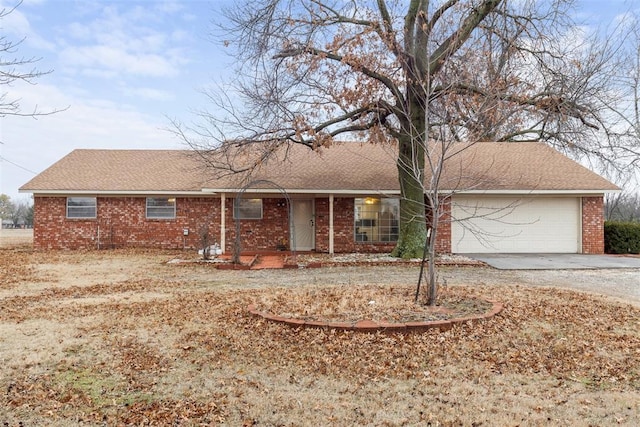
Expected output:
(303, 225)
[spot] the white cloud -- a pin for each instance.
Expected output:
(17, 25)
(36, 144)
(180, 35)
(78, 31)
(115, 60)
(170, 7)
(86, 119)
(149, 93)
(140, 41)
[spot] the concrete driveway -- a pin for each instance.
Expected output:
(556, 261)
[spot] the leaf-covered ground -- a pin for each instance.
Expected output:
(122, 338)
(351, 303)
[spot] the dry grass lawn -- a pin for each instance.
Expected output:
(122, 337)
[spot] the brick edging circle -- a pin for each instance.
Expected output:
(373, 326)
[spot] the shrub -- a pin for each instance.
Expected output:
(621, 237)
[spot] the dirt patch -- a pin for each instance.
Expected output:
(122, 337)
(16, 237)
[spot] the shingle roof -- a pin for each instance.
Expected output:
(343, 167)
(118, 170)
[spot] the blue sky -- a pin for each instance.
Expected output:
(123, 68)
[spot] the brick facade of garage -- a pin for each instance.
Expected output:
(593, 225)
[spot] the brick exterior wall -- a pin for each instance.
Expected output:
(121, 222)
(264, 234)
(344, 240)
(593, 225)
(443, 239)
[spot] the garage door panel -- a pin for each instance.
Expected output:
(508, 224)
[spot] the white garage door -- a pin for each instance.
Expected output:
(511, 225)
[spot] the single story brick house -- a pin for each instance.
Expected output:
(502, 197)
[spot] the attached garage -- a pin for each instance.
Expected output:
(489, 224)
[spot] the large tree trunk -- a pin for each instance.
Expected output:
(413, 230)
(410, 163)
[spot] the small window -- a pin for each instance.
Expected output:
(247, 209)
(161, 207)
(376, 220)
(81, 207)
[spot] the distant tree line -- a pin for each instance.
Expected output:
(623, 207)
(15, 214)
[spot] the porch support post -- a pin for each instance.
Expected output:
(331, 224)
(223, 222)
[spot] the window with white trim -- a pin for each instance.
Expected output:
(247, 208)
(376, 219)
(161, 207)
(81, 207)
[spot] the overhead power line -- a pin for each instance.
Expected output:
(4, 159)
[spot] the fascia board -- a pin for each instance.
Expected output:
(111, 193)
(533, 192)
(298, 191)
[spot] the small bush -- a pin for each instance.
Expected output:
(621, 237)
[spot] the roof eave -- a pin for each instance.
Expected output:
(114, 192)
(301, 191)
(533, 192)
(211, 191)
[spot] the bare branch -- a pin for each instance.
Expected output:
(459, 37)
(12, 70)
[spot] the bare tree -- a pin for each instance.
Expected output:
(624, 133)
(20, 214)
(419, 75)
(624, 206)
(7, 207)
(14, 68)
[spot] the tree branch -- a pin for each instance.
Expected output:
(359, 67)
(460, 36)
